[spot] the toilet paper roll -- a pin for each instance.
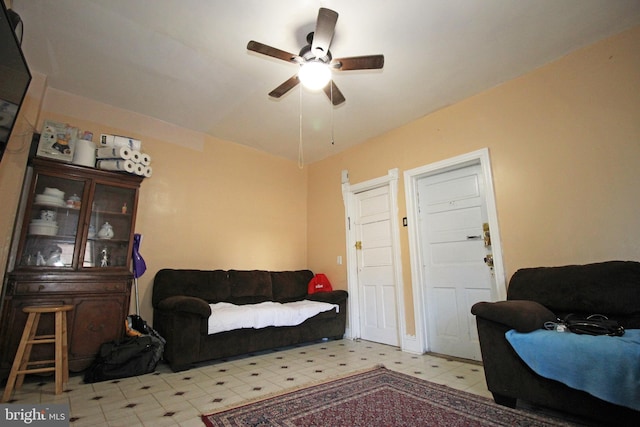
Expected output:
(148, 171)
(114, 153)
(139, 169)
(136, 156)
(145, 159)
(84, 153)
(117, 165)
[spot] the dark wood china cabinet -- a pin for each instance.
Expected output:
(72, 245)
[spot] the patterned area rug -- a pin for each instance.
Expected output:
(379, 397)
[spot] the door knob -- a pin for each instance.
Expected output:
(489, 260)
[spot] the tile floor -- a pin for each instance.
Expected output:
(166, 398)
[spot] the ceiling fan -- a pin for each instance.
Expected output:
(316, 57)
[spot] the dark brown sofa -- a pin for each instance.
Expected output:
(181, 301)
(611, 288)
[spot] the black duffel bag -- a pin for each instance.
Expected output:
(128, 357)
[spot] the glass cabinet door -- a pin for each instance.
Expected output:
(52, 223)
(110, 227)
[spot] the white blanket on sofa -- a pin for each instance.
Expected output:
(227, 317)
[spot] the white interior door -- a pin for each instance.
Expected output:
(452, 211)
(376, 273)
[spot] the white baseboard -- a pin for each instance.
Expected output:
(410, 344)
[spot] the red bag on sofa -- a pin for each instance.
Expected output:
(319, 283)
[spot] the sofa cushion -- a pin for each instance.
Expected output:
(610, 288)
(250, 287)
(290, 285)
(218, 286)
(211, 285)
(523, 316)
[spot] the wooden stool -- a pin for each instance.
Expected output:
(29, 339)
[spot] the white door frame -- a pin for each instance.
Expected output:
(348, 194)
(411, 178)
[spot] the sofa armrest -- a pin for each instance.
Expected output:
(186, 304)
(332, 297)
(521, 315)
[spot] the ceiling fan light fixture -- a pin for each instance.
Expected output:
(316, 64)
(314, 75)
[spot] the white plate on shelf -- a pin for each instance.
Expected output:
(44, 222)
(43, 229)
(53, 192)
(43, 199)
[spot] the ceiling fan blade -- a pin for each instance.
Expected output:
(323, 34)
(367, 62)
(335, 96)
(272, 52)
(285, 87)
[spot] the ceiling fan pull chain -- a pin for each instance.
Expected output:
(331, 106)
(300, 150)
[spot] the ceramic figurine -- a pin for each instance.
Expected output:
(106, 231)
(104, 261)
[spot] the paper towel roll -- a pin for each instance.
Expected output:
(117, 165)
(145, 159)
(114, 153)
(107, 140)
(148, 172)
(84, 153)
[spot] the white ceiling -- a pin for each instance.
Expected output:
(185, 61)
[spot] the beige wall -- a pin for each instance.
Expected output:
(209, 204)
(564, 142)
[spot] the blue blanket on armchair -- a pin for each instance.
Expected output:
(606, 367)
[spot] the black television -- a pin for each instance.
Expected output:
(14, 75)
